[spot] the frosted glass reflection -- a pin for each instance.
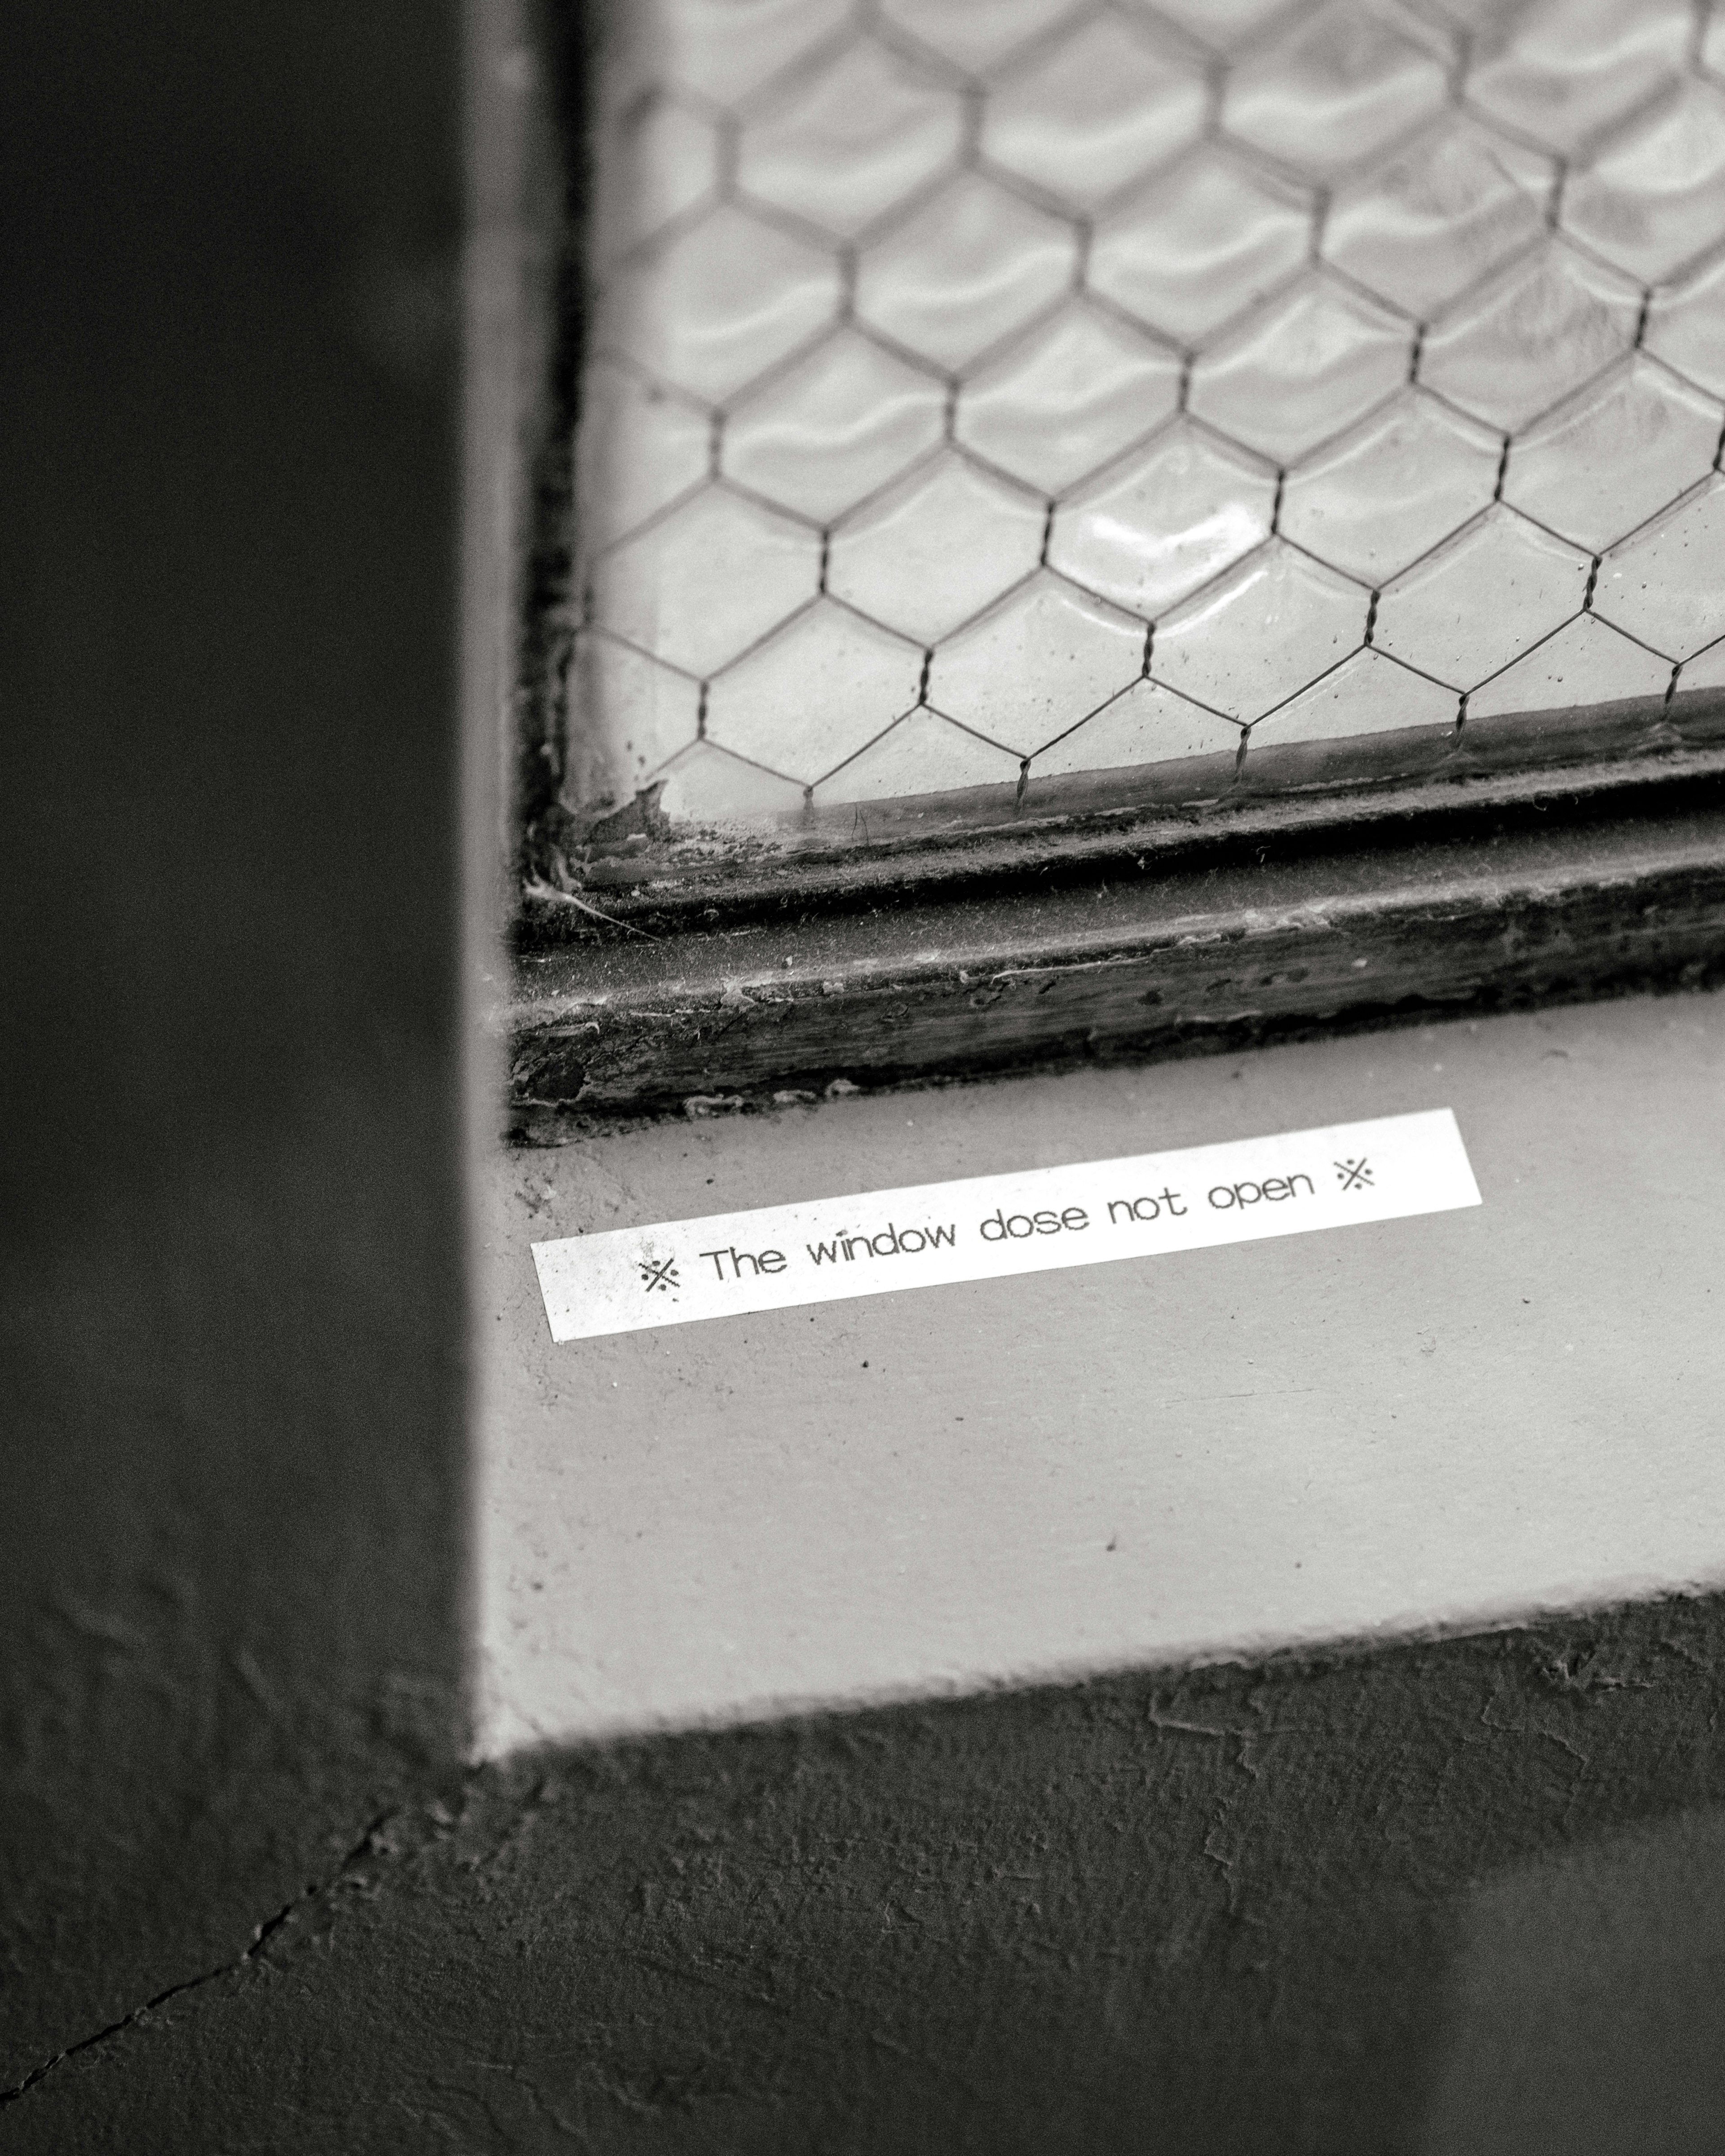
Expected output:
(986, 394)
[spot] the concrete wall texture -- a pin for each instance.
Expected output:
(1464, 1898)
(232, 1417)
(1444, 1896)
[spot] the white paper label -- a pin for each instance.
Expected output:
(886, 1240)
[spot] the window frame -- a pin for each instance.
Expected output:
(1140, 914)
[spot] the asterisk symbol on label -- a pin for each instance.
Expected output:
(660, 1273)
(1353, 1174)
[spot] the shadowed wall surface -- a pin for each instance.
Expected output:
(1452, 1898)
(230, 1381)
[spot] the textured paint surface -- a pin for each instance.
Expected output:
(1399, 1903)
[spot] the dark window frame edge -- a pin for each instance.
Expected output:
(1557, 895)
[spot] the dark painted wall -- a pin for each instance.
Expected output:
(1467, 1899)
(230, 1380)
(1468, 1896)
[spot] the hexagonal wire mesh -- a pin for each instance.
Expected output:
(984, 390)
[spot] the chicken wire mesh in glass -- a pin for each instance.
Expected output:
(984, 393)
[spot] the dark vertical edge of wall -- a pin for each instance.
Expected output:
(557, 182)
(231, 1263)
(511, 410)
(1463, 1897)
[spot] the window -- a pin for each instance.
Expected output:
(1022, 439)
